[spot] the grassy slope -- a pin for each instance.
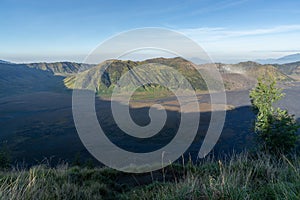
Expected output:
(239, 76)
(116, 68)
(60, 68)
(241, 177)
(23, 77)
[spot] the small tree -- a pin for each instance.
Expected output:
(275, 127)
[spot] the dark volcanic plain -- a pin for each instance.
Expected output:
(40, 125)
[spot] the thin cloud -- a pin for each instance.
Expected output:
(217, 33)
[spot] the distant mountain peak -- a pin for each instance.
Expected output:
(4, 62)
(282, 60)
(296, 57)
(249, 63)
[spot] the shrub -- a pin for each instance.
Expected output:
(275, 127)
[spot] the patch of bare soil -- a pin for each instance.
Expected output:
(235, 81)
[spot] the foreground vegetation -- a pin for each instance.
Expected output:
(240, 177)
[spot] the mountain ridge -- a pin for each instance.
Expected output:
(282, 60)
(19, 78)
(60, 68)
(116, 68)
(235, 76)
(5, 62)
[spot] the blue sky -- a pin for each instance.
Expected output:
(56, 30)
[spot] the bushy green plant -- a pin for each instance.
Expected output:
(275, 127)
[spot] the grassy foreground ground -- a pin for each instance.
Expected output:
(240, 177)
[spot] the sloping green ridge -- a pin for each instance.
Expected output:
(60, 68)
(115, 69)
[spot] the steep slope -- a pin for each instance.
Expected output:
(116, 68)
(244, 75)
(60, 68)
(290, 68)
(19, 78)
(254, 70)
(190, 71)
(22, 78)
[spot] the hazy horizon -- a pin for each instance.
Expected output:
(141, 58)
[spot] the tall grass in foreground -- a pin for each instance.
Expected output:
(240, 177)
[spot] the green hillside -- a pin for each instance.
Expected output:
(116, 68)
(60, 68)
(15, 78)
